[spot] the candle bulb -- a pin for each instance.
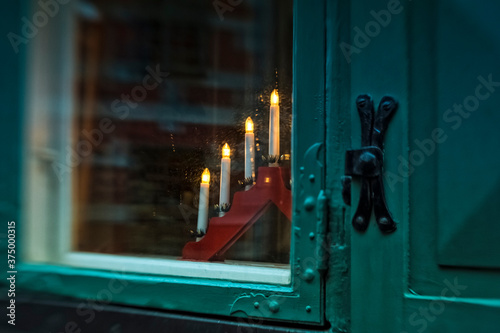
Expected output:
(203, 203)
(249, 151)
(225, 177)
(274, 127)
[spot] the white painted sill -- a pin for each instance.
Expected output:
(237, 271)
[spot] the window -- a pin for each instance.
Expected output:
(143, 118)
(160, 91)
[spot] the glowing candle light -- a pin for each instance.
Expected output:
(249, 151)
(274, 126)
(225, 177)
(203, 203)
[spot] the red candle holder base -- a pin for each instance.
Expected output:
(246, 209)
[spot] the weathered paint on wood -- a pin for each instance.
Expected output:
(303, 300)
(439, 271)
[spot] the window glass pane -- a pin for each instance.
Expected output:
(162, 86)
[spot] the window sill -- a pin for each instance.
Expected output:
(235, 271)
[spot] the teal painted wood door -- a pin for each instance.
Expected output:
(440, 270)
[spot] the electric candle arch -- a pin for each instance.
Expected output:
(224, 195)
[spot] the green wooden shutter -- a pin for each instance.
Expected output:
(440, 270)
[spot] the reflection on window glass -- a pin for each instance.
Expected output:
(184, 122)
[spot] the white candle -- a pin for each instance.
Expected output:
(249, 151)
(274, 127)
(203, 203)
(225, 177)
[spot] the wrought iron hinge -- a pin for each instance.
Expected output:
(367, 163)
